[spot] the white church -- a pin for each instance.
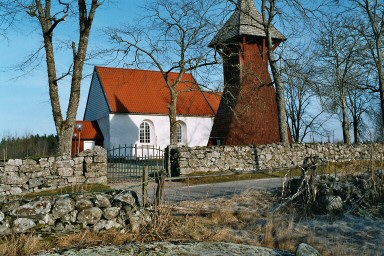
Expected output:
(130, 107)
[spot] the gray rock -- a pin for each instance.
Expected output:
(65, 163)
(62, 207)
(29, 162)
(127, 198)
(65, 171)
(76, 180)
(68, 228)
(4, 188)
(47, 219)
(380, 173)
(36, 182)
(70, 217)
(78, 160)
(5, 229)
(44, 163)
(11, 168)
(12, 178)
(335, 204)
(100, 159)
(88, 159)
(22, 225)
(15, 191)
(83, 204)
(306, 250)
(330, 204)
(168, 249)
(135, 221)
(111, 212)
(30, 168)
(33, 210)
(102, 201)
(15, 162)
(97, 180)
(106, 224)
(90, 215)
(10, 206)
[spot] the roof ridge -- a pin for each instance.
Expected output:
(141, 70)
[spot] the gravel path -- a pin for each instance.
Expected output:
(177, 191)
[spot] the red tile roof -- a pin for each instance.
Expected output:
(91, 131)
(145, 91)
(214, 99)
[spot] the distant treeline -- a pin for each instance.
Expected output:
(28, 146)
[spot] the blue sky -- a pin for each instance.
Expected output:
(24, 106)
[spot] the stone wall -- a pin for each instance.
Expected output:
(186, 160)
(70, 213)
(23, 176)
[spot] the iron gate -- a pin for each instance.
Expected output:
(129, 161)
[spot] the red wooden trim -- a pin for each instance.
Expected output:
(263, 50)
(275, 46)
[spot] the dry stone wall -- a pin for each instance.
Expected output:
(186, 160)
(117, 209)
(24, 176)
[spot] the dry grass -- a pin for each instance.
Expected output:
(89, 238)
(17, 245)
(247, 218)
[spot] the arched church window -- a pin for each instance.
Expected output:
(145, 132)
(179, 133)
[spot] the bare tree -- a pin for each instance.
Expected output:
(172, 37)
(359, 104)
(300, 95)
(50, 15)
(373, 17)
(268, 13)
(338, 55)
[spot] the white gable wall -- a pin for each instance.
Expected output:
(105, 128)
(97, 105)
(124, 129)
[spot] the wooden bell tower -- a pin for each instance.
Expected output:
(248, 110)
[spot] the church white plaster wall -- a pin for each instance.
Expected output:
(124, 129)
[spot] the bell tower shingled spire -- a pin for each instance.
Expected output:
(248, 112)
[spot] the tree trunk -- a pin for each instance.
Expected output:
(65, 138)
(356, 130)
(379, 65)
(345, 122)
(282, 114)
(172, 117)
